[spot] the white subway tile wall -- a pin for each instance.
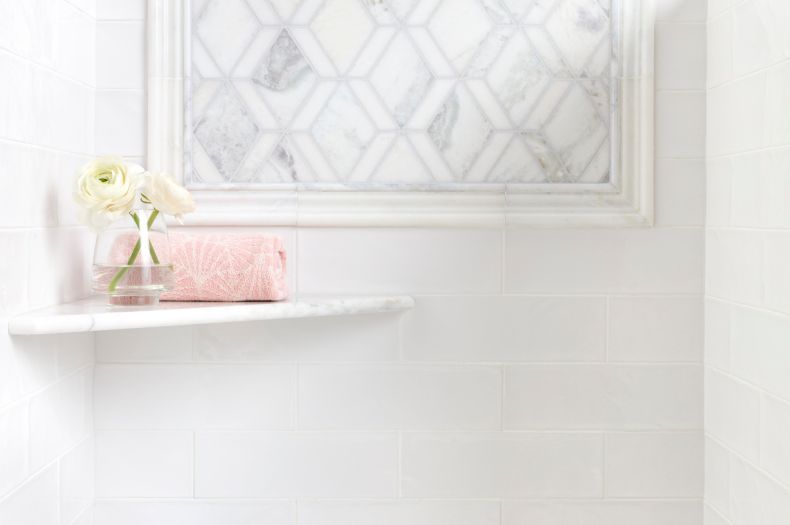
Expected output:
(47, 96)
(747, 329)
(429, 417)
(535, 365)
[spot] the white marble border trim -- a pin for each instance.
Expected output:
(626, 202)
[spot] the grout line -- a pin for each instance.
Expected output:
(400, 464)
(49, 69)
(194, 463)
(395, 429)
(374, 364)
(607, 328)
(495, 499)
(32, 475)
(296, 423)
(749, 462)
(603, 466)
(747, 306)
(749, 75)
(503, 255)
(30, 395)
(502, 391)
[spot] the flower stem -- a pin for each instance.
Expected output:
(119, 275)
(151, 220)
(135, 251)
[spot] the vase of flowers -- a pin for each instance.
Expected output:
(126, 206)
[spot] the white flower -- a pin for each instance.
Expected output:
(167, 195)
(106, 189)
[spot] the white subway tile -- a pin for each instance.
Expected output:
(13, 447)
(23, 204)
(370, 261)
(718, 327)
(777, 277)
(413, 397)
(759, 349)
(654, 465)
(655, 329)
(773, 180)
(505, 329)
(561, 261)
(719, 192)
(600, 397)
(13, 273)
(76, 481)
(748, 178)
(756, 35)
(152, 345)
(712, 517)
(128, 108)
(719, 49)
(28, 29)
(75, 47)
(60, 417)
(75, 351)
(120, 55)
(195, 396)
(680, 124)
(399, 512)
(296, 464)
(509, 465)
(87, 6)
(717, 477)
(717, 7)
(86, 518)
(740, 127)
(756, 499)
(120, 10)
(777, 132)
(27, 364)
(516, 512)
(34, 503)
(680, 56)
(358, 338)
(680, 192)
(140, 464)
(732, 414)
(734, 268)
(775, 437)
(59, 265)
(681, 10)
(194, 512)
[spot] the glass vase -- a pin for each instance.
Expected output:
(131, 259)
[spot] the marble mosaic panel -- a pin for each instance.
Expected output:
(400, 92)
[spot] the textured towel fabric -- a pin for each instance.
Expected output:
(227, 267)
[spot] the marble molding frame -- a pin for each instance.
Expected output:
(625, 201)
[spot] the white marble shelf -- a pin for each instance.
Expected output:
(93, 315)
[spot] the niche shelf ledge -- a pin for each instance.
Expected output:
(93, 314)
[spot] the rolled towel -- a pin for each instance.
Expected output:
(227, 267)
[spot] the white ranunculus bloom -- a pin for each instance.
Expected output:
(106, 189)
(167, 195)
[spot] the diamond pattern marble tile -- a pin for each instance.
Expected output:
(460, 130)
(577, 27)
(342, 27)
(284, 78)
(212, 27)
(401, 78)
(226, 131)
(401, 91)
(343, 130)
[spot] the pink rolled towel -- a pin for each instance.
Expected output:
(227, 267)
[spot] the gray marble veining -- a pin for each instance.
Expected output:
(389, 92)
